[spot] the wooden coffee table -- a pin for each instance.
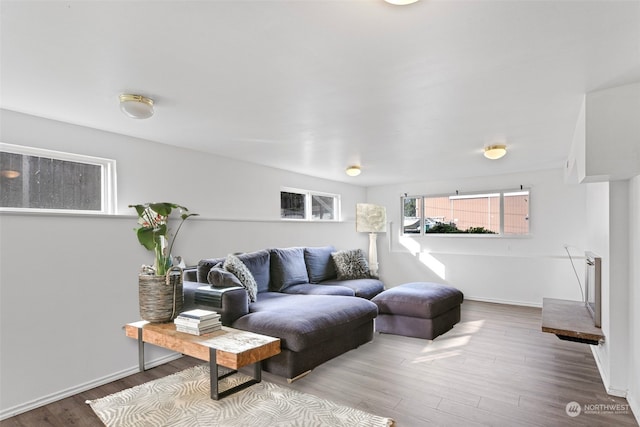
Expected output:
(231, 348)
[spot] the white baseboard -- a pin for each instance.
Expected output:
(501, 301)
(605, 378)
(634, 404)
(54, 397)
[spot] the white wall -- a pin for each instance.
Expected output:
(502, 269)
(612, 133)
(68, 283)
(633, 396)
(606, 139)
(613, 231)
(213, 186)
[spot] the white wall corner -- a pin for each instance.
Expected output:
(612, 133)
(575, 163)
(634, 404)
(633, 397)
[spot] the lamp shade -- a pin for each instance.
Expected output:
(136, 106)
(371, 218)
(495, 152)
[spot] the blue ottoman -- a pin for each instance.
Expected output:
(418, 309)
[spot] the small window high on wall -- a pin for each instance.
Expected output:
(498, 213)
(309, 205)
(34, 179)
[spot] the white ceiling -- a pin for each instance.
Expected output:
(410, 93)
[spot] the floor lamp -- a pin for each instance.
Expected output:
(371, 219)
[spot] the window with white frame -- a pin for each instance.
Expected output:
(35, 179)
(309, 205)
(495, 212)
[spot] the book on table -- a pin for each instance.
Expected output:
(196, 324)
(195, 320)
(199, 314)
(198, 331)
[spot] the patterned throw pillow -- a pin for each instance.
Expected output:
(233, 265)
(351, 264)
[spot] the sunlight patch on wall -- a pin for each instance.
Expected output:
(410, 244)
(434, 265)
(423, 256)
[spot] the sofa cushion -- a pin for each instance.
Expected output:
(287, 268)
(235, 266)
(258, 264)
(304, 321)
(351, 264)
(219, 277)
(204, 265)
(319, 263)
(309, 289)
(363, 288)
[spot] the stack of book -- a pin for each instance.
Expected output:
(198, 322)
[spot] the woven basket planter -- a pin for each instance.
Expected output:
(160, 297)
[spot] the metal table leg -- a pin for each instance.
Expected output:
(140, 351)
(215, 378)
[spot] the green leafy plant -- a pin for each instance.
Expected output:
(153, 232)
(441, 227)
(479, 230)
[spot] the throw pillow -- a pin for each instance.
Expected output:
(204, 266)
(287, 268)
(258, 264)
(219, 277)
(236, 267)
(320, 266)
(351, 264)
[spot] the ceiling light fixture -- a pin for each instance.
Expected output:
(400, 2)
(10, 173)
(495, 152)
(136, 106)
(353, 170)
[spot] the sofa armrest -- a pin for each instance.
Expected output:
(190, 274)
(231, 302)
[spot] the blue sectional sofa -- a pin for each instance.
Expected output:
(300, 297)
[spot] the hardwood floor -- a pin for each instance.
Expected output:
(494, 368)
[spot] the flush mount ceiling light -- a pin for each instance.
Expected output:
(10, 173)
(353, 170)
(495, 152)
(136, 106)
(400, 2)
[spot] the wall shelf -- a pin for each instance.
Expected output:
(570, 320)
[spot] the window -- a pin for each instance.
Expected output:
(33, 179)
(505, 212)
(309, 205)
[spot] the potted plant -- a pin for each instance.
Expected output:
(160, 285)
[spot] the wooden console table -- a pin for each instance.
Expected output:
(569, 320)
(231, 348)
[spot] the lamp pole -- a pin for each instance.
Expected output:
(373, 254)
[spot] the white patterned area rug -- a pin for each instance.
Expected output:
(183, 399)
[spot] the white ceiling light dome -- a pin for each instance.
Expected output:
(353, 170)
(495, 151)
(401, 2)
(136, 106)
